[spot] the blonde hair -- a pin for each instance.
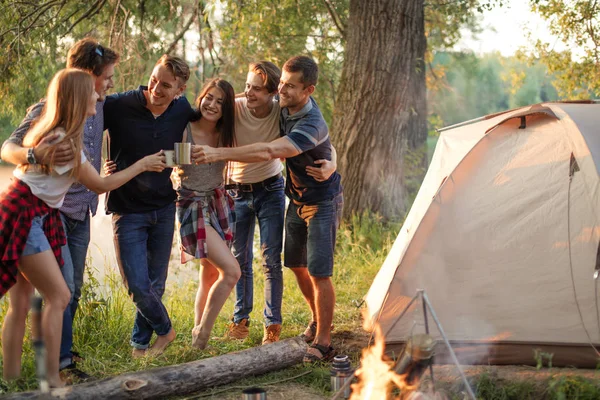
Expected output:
(66, 107)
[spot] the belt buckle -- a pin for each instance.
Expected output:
(245, 187)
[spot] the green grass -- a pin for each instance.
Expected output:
(105, 317)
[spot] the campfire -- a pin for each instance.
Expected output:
(380, 378)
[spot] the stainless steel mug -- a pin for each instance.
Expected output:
(183, 153)
(170, 158)
(254, 393)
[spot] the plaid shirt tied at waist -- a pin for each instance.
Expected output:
(194, 211)
(18, 207)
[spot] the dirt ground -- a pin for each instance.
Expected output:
(348, 342)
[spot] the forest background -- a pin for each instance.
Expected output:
(426, 84)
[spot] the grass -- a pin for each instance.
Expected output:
(105, 317)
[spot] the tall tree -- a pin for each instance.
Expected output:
(381, 103)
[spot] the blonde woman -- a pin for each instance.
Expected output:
(31, 232)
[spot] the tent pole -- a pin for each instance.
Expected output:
(401, 314)
(437, 322)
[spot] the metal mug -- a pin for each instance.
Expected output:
(254, 393)
(170, 158)
(183, 153)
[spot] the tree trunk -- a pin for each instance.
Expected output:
(381, 110)
(185, 378)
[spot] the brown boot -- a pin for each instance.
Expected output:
(272, 333)
(238, 331)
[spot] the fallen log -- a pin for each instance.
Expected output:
(185, 378)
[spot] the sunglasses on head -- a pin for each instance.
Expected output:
(99, 50)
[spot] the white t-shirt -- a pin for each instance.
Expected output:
(50, 188)
(249, 130)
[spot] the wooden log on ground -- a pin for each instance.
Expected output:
(187, 378)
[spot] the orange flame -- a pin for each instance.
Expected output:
(376, 379)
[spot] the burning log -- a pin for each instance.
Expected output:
(185, 378)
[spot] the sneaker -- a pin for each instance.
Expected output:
(272, 333)
(71, 374)
(238, 331)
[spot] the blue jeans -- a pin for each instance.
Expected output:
(267, 204)
(143, 244)
(74, 254)
(310, 232)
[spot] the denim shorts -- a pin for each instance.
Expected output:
(36, 240)
(310, 231)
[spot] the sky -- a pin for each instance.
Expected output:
(506, 30)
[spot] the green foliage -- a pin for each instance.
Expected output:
(573, 387)
(539, 357)
(477, 86)
(488, 387)
(576, 23)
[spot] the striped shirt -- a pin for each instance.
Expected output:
(308, 132)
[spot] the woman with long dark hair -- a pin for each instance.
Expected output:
(205, 211)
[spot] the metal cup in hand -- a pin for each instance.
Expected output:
(183, 153)
(170, 158)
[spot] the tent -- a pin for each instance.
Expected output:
(504, 236)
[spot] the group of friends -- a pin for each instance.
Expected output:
(235, 179)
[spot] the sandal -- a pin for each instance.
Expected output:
(317, 352)
(310, 332)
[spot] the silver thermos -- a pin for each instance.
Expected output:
(341, 372)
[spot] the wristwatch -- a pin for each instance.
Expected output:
(31, 156)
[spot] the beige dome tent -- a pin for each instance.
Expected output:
(503, 236)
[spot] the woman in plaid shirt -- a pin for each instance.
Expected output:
(31, 231)
(205, 209)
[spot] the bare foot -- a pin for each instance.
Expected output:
(161, 343)
(56, 382)
(199, 339)
(138, 353)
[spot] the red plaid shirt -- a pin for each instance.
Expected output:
(18, 207)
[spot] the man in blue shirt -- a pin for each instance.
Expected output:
(308, 247)
(142, 122)
(88, 55)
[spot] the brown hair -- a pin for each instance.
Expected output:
(87, 54)
(225, 125)
(177, 66)
(306, 65)
(269, 72)
(66, 106)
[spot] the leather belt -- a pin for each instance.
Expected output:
(249, 187)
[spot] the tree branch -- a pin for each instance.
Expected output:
(183, 31)
(336, 18)
(93, 10)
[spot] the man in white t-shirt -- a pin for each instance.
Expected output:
(258, 192)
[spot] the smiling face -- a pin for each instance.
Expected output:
(257, 95)
(292, 93)
(211, 106)
(163, 87)
(105, 81)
